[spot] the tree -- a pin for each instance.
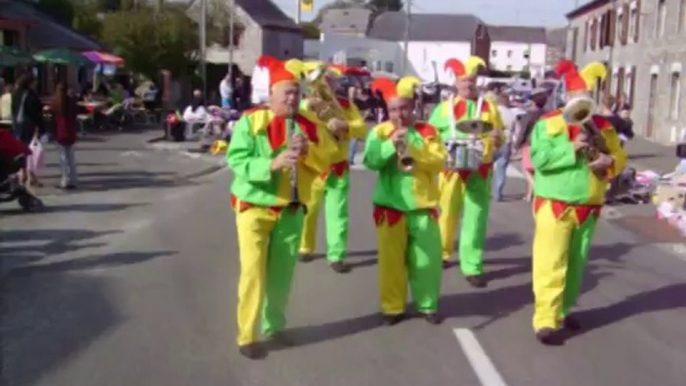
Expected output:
(380, 6)
(150, 40)
(86, 18)
(60, 10)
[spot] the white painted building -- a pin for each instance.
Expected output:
(433, 39)
(517, 49)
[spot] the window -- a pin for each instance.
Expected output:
(675, 95)
(526, 53)
(509, 53)
(585, 37)
(620, 25)
(9, 38)
(494, 53)
(682, 15)
(661, 18)
(632, 24)
(388, 67)
(636, 11)
(509, 68)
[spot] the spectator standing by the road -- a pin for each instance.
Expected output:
(502, 156)
(64, 111)
(27, 118)
(226, 91)
(618, 114)
(527, 122)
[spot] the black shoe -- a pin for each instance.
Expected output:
(340, 267)
(571, 323)
(433, 318)
(447, 264)
(306, 257)
(279, 340)
(392, 320)
(253, 351)
(477, 281)
(549, 337)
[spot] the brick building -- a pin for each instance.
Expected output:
(641, 42)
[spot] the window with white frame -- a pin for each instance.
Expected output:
(388, 67)
(633, 24)
(661, 18)
(675, 95)
(682, 15)
(494, 53)
(620, 25)
(509, 53)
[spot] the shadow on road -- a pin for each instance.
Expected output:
(304, 336)
(502, 302)
(85, 208)
(662, 299)
(52, 310)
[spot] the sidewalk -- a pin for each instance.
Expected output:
(644, 155)
(114, 161)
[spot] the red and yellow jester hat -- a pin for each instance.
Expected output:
(390, 90)
(278, 70)
(586, 80)
(469, 69)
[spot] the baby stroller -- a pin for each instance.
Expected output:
(13, 154)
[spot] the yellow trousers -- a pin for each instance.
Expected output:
(470, 197)
(268, 242)
(409, 251)
(560, 250)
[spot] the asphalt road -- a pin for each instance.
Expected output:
(137, 286)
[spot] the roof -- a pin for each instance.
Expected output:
(44, 31)
(514, 34)
(350, 20)
(557, 37)
(588, 7)
(264, 12)
(425, 27)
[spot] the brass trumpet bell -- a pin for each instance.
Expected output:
(578, 111)
(406, 164)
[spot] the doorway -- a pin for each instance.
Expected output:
(650, 128)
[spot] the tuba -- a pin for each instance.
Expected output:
(316, 87)
(579, 112)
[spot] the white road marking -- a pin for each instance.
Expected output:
(481, 364)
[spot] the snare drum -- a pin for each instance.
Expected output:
(465, 154)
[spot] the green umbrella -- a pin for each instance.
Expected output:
(62, 56)
(11, 57)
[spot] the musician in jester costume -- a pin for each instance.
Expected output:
(405, 204)
(466, 190)
(334, 184)
(268, 218)
(569, 194)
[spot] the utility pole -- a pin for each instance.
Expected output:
(406, 43)
(232, 21)
(203, 44)
(298, 11)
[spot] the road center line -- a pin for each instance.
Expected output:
(480, 362)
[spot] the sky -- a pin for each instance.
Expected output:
(546, 13)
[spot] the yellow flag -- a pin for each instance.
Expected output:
(306, 5)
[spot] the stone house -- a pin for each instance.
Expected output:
(264, 30)
(641, 42)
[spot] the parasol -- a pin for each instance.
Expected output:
(62, 56)
(11, 56)
(103, 58)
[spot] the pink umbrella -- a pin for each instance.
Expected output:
(103, 58)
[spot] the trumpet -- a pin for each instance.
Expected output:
(405, 162)
(579, 112)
